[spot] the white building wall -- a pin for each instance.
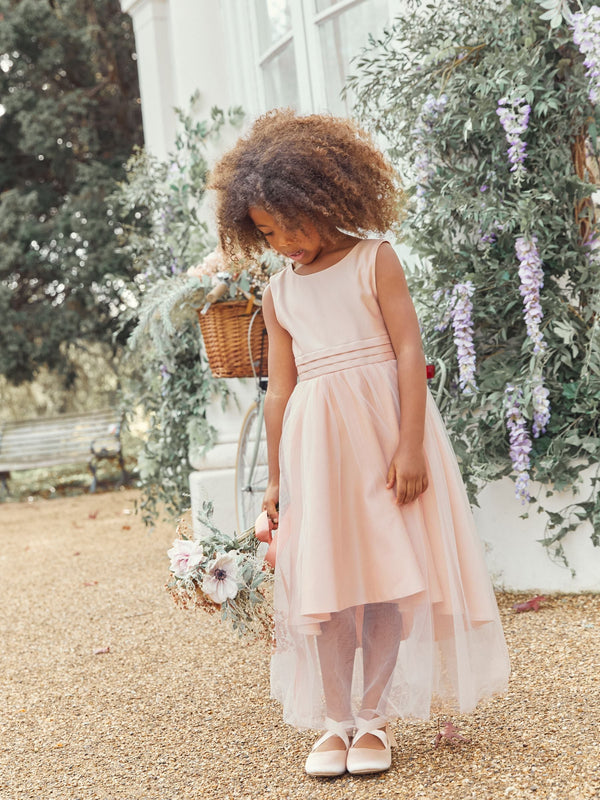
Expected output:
(200, 54)
(185, 45)
(152, 29)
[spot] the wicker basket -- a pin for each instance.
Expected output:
(225, 334)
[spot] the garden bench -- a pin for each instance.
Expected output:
(65, 439)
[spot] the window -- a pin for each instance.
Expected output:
(343, 29)
(277, 61)
(299, 52)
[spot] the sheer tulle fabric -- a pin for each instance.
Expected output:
(380, 609)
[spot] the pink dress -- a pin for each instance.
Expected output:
(343, 543)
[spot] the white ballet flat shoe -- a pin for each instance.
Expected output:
(362, 760)
(329, 763)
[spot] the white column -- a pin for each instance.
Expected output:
(152, 28)
(201, 59)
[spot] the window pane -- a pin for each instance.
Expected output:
(281, 81)
(321, 5)
(274, 21)
(342, 37)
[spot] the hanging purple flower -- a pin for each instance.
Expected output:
(165, 375)
(520, 443)
(541, 406)
(531, 275)
(424, 125)
(586, 35)
(461, 311)
(442, 297)
(513, 113)
(491, 235)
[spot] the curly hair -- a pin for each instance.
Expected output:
(315, 168)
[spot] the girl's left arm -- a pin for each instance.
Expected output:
(407, 474)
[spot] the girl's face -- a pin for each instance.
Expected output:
(302, 245)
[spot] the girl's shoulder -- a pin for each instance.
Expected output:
(280, 275)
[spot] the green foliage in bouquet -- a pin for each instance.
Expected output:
(220, 573)
(491, 111)
(162, 231)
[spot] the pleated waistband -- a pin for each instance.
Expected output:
(345, 356)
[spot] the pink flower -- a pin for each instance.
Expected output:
(186, 556)
(211, 264)
(220, 582)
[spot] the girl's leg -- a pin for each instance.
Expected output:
(337, 646)
(382, 631)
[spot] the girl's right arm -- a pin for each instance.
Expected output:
(282, 380)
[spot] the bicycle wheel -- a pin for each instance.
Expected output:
(251, 468)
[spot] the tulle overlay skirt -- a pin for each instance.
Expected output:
(378, 607)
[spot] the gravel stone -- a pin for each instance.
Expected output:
(177, 708)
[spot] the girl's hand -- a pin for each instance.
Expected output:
(271, 503)
(408, 474)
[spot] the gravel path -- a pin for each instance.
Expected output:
(178, 709)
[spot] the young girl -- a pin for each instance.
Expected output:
(383, 606)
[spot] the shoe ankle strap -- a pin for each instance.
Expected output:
(368, 725)
(374, 726)
(340, 728)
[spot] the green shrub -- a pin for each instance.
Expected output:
(480, 216)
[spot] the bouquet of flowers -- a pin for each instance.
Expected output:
(222, 573)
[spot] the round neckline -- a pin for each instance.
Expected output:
(326, 269)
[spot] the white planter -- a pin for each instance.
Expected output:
(516, 559)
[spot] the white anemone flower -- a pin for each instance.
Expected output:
(220, 582)
(186, 555)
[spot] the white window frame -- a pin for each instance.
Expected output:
(247, 59)
(314, 19)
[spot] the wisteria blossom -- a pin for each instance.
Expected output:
(166, 377)
(513, 113)
(531, 275)
(186, 556)
(520, 443)
(443, 297)
(424, 125)
(458, 310)
(491, 235)
(220, 582)
(586, 35)
(541, 406)
(462, 326)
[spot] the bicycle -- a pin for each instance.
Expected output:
(251, 468)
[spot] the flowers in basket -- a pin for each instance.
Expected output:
(219, 573)
(172, 301)
(224, 279)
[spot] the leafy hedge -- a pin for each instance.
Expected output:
(489, 111)
(163, 231)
